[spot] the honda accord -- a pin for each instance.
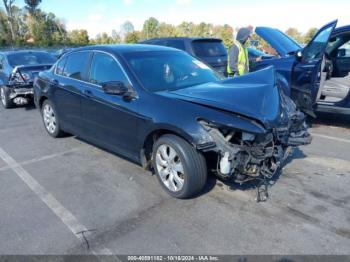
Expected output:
(171, 113)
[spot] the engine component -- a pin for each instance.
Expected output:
(225, 165)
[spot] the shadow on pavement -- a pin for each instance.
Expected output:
(331, 119)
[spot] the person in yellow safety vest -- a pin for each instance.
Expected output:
(238, 61)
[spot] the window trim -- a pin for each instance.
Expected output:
(115, 59)
(92, 51)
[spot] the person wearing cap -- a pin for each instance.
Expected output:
(238, 61)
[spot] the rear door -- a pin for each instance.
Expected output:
(308, 74)
(70, 74)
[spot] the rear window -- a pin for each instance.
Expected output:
(30, 58)
(208, 48)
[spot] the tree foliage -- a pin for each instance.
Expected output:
(32, 26)
(295, 34)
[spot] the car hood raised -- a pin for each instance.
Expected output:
(254, 95)
(282, 43)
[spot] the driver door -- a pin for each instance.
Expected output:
(308, 74)
(109, 120)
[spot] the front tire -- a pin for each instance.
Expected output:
(180, 168)
(50, 119)
(5, 97)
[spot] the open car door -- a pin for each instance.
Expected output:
(309, 74)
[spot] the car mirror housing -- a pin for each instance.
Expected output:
(299, 55)
(115, 88)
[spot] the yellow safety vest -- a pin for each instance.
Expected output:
(243, 60)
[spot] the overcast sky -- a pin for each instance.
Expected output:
(105, 15)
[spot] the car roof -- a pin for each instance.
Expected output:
(125, 48)
(14, 51)
(183, 38)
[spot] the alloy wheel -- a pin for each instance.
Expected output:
(49, 118)
(3, 97)
(170, 168)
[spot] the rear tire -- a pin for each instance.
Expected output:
(180, 168)
(5, 97)
(50, 119)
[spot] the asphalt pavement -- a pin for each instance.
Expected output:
(65, 196)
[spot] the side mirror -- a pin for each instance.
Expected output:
(299, 55)
(114, 88)
(118, 88)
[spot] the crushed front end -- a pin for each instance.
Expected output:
(244, 156)
(20, 82)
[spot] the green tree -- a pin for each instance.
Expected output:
(166, 30)
(116, 39)
(185, 29)
(310, 34)
(226, 34)
(78, 37)
(127, 27)
(8, 4)
(295, 34)
(31, 5)
(132, 37)
(150, 28)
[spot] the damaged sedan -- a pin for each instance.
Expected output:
(17, 72)
(168, 111)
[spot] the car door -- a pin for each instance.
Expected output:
(308, 74)
(70, 72)
(109, 120)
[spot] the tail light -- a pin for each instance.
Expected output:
(19, 77)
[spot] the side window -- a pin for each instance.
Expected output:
(60, 66)
(178, 44)
(104, 69)
(344, 50)
(75, 65)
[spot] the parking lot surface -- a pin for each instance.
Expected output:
(64, 196)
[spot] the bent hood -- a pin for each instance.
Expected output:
(254, 95)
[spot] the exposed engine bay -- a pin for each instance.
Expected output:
(21, 87)
(245, 157)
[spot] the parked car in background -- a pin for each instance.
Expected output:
(209, 50)
(254, 54)
(317, 73)
(168, 110)
(17, 72)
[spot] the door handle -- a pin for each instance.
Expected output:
(87, 93)
(55, 82)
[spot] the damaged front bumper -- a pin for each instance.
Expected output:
(245, 157)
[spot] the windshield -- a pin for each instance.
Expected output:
(164, 70)
(30, 58)
(206, 48)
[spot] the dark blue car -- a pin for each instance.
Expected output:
(17, 72)
(318, 74)
(209, 50)
(170, 112)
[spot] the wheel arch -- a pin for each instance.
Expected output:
(41, 101)
(151, 138)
